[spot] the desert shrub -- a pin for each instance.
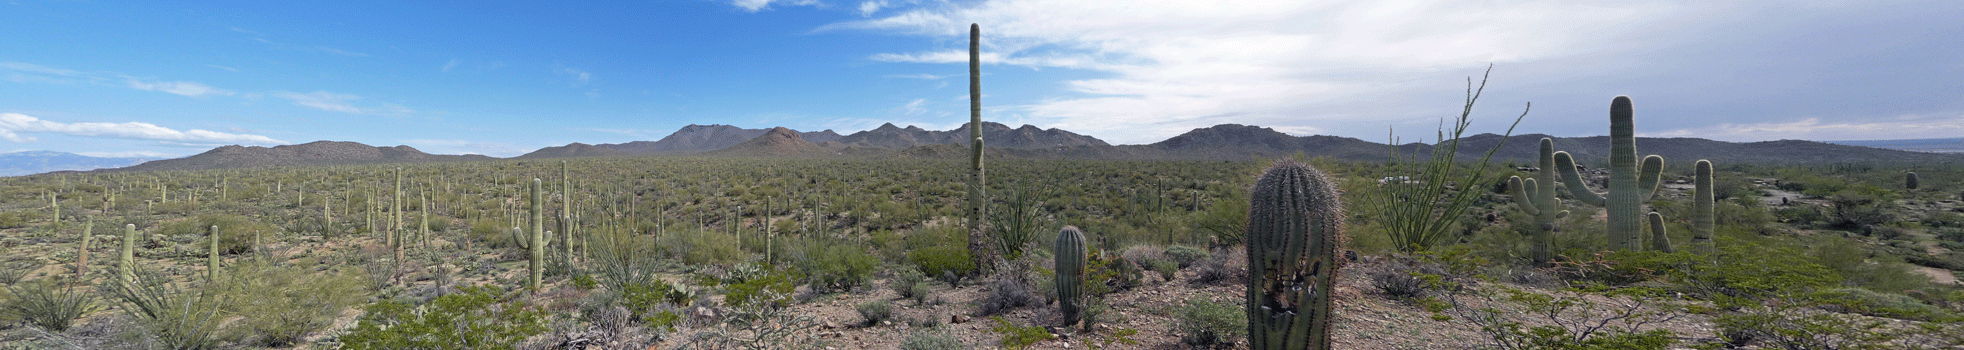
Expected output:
(931, 340)
(1226, 265)
(1571, 320)
(1952, 234)
(1792, 326)
(874, 311)
(940, 250)
(13, 219)
(1226, 218)
(1010, 289)
(175, 317)
(1108, 273)
(1207, 323)
(477, 318)
(493, 232)
(830, 264)
(905, 281)
(281, 305)
(1405, 278)
(771, 289)
(625, 259)
(1867, 302)
(1857, 208)
(891, 246)
(702, 247)
(1185, 255)
(47, 303)
(235, 232)
(645, 301)
(1166, 269)
(12, 272)
(1018, 337)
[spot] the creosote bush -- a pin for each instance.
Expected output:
(477, 318)
(1210, 324)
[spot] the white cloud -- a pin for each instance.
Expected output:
(866, 9)
(916, 107)
(12, 125)
(922, 76)
(336, 102)
(580, 77)
(1171, 66)
(1915, 126)
(131, 154)
(178, 87)
(760, 5)
(453, 64)
(222, 67)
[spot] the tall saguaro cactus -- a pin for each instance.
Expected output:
(82, 251)
(978, 240)
(211, 256)
(566, 211)
(1703, 201)
(1070, 272)
(1536, 196)
(126, 262)
(1295, 233)
(1629, 184)
(538, 240)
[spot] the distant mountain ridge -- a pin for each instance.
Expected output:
(311, 153)
(36, 162)
(993, 135)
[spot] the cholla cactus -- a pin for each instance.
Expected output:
(1536, 196)
(1295, 233)
(1070, 272)
(1629, 185)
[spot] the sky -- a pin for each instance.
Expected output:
(168, 79)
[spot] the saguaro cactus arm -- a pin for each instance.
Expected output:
(1575, 185)
(1650, 176)
(1658, 240)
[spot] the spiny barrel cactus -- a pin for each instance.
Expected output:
(1070, 272)
(1536, 196)
(1909, 180)
(1629, 184)
(1703, 200)
(127, 261)
(1294, 233)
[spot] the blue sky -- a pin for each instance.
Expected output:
(501, 79)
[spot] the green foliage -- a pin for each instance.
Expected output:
(13, 219)
(1018, 337)
(1866, 302)
(1207, 323)
(1791, 326)
(872, 312)
(1186, 256)
(282, 304)
(905, 280)
(703, 247)
(1015, 221)
(1421, 212)
(772, 289)
(474, 318)
(624, 259)
(833, 264)
(236, 236)
(931, 340)
(46, 303)
(940, 251)
(1227, 218)
(1573, 322)
(177, 318)
(644, 300)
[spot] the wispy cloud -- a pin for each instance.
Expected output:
(579, 77)
(337, 102)
(300, 47)
(178, 87)
(866, 9)
(13, 125)
(760, 5)
(1165, 67)
(222, 67)
(452, 65)
(916, 107)
(922, 76)
(1915, 126)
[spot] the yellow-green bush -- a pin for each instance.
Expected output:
(235, 232)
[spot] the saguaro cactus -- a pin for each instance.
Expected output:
(1536, 196)
(211, 256)
(1658, 240)
(978, 240)
(539, 237)
(82, 251)
(1629, 184)
(127, 261)
(1702, 208)
(1070, 272)
(1295, 232)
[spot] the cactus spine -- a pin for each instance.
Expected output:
(1070, 273)
(1295, 232)
(978, 241)
(1629, 184)
(1536, 196)
(1703, 201)
(127, 261)
(1909, 180)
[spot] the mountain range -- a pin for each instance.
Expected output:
(1219, 142)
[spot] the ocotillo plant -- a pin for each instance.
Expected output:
(1629, 185)
(978, 240)
(1536, 196)
(1909, 180)
(1070, 273)
(127, 261)
(1295, 232)
(1703, 201)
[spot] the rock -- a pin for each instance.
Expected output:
(886, 323)
(830, 325)
(957, 318)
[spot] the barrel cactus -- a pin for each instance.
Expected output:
(1536, 196)
(1070, 272)
(1629, 184)
(1909, 180)
(1295, 234)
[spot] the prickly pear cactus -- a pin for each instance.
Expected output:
(1629, 184)
(1295, 234)
(1070, 273)
(1536, 196)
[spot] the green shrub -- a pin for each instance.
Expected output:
(700, 247)
(475, 318)
(644, 300)
(47, 303)
(905, 280)
(837, 265)
(1185, 255)
(874, 311)
(282, 305)
(177, 318)
(1018, 337)
(13, 219)
(1866, 302)
(1207, 323)
(235, 232)
(772, 289)
(931, 340)
(1166, 269)
(940, 251)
